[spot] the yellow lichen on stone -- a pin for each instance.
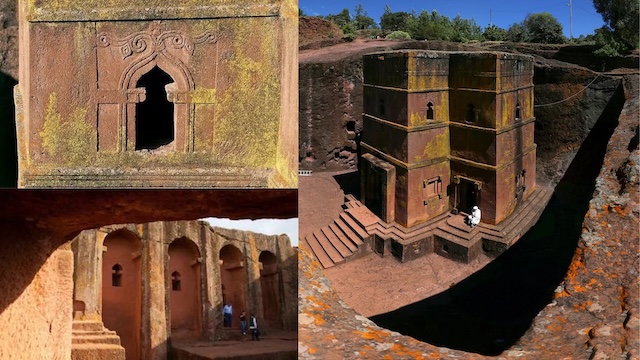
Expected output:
(437, 147)
(250, 109)
(72, 140)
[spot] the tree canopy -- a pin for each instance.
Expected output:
(620, 33)
(543, 28)
(431, 25)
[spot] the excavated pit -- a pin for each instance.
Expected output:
(490, 310)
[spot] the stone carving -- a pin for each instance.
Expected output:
(155, 41)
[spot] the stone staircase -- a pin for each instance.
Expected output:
(90, 340)
(446, 234)
(346, 236)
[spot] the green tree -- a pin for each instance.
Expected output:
(430, 26)
(361, 20)
(398, 35)
(517, 33)
(494, 33)
(543, 28)
(341, 19)
(620, 33)
(464, 30)
(393, 21)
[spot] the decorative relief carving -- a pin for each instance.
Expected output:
(155, 41)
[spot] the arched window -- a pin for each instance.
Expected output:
(116, 275)
(175, 281)
(518, 111)
(155, 115)
(471, 113)
(430, 111)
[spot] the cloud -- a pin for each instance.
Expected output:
(262, 226)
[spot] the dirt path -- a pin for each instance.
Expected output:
(344, 50)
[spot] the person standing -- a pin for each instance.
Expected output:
(227, 312)
(253, 325)
(243, 323)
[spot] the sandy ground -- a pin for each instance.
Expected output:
(273, 343)
(371, 284)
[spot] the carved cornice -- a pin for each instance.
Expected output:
(155, 41)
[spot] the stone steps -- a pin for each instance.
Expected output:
(318, 251)
(97, 351)
(90, 340)
(343, 238)
(336, 242)
(95, 339)
(87, 325)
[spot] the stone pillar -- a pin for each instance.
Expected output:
(87, 277)
(155, 302)
(251, 252)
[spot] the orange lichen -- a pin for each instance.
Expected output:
(318, 319)
(377, 336)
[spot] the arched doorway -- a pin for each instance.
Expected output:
(234, 281)
(184, 288)
(122, 289)
(155, 115)
(269, 284)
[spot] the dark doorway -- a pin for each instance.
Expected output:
(469, 195)
(375, 190)
(154, 116)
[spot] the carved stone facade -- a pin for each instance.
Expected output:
(160, 282)
(139, 94)
(447, 130)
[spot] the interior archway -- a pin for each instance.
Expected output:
(269, 279)
(234, 281)
(155, 115)
(184, 288)
(122, 289)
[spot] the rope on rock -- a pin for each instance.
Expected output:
(574, 95)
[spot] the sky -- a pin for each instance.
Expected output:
(498, 12)
(262, 226)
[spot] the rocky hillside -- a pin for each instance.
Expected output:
(316, 33)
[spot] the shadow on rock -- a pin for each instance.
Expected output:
(8, 142)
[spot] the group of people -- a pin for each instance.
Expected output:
(227, 311)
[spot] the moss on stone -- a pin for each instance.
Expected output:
(72, 139)
(250, 109)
